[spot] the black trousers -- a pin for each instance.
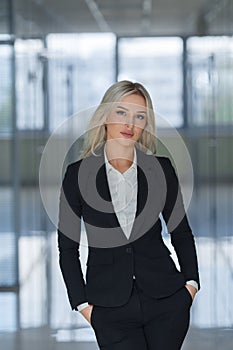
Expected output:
(143, 323)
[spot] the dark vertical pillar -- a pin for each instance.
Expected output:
(15, 157)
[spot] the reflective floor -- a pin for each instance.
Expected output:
(37, 339)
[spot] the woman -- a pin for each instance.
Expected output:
(133, 295)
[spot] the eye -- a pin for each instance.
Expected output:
(122, 113)
(140, 116)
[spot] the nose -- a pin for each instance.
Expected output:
(130, 120)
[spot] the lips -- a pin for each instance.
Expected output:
(127, 134)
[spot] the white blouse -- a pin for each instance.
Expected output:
(123, 190)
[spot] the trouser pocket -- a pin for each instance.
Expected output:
(92, 315)
(189, 296)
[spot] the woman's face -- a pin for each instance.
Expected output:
(127, 119)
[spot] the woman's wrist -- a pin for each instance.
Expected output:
(86, 312)
(192, 290)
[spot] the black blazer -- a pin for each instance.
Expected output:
(112, 258)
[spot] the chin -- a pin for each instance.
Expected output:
(126, 142)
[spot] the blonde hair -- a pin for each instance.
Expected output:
(96, 133)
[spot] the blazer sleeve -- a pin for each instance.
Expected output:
(69, 229)
(178, 226)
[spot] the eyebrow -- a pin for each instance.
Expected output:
(128, 110)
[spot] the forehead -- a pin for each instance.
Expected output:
(133, 99)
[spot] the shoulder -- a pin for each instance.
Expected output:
(71, 172)
(164, 162)
(88, 164)
(74, 166)
(160, 162)
(167, 167)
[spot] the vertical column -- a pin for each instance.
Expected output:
(15, 157)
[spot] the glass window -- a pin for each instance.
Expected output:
(8, 312)
(5, 17)
(210, 83)
(29, 89)
(5, 89)
(81, 68)
(33, 282)
(8, 273)
(7, 255)
(156, 63)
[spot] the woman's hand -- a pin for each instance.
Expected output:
(192, 290)
(86, 312)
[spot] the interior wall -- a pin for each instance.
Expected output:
(199, 146)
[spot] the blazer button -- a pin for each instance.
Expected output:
(128, 250)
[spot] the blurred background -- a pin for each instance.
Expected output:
(58, 58)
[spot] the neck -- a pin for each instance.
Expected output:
(119, 154)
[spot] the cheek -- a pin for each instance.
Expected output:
(112, 128)
(138, 132)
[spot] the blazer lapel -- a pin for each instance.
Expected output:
(142, 190)
(104, 191)
(142, 193)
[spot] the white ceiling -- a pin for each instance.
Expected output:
(124, 17)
